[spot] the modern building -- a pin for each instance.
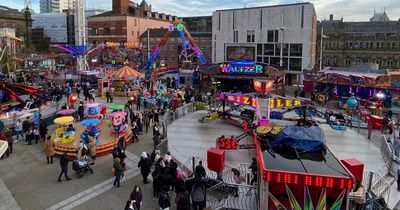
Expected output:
(198, 24)
(40, 40)
(349, 43)
(169, 54)
(54, 26)
(21, 22)
(51, 6)
(258, 33)
(126, 22)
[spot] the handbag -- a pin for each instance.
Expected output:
(113, 171)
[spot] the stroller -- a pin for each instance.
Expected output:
(82, 165)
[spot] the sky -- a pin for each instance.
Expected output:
(350, 10)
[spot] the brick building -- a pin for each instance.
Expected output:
(349, 43)
(171, 50)
(126, 22)
(12, 18)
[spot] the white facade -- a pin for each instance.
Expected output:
(54, 25)
(257, 33)
(50, 6)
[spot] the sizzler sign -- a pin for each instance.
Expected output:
(241, 68)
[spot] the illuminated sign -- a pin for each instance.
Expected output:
(241, 67)
(308, 180)
(123, 44)
(244, 100)
(276, 103)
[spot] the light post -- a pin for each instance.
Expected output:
(320, 51)
(148, 38)
(281, 40)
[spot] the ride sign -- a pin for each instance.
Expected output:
(241, 69)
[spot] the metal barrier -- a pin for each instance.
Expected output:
(168, 118)
(232, 196)
(376, 183)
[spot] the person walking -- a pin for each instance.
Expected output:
(64, 167)
(398, 178)
(118, 170)
(146, 120)
(121, 145)
(18, 130)
(26, 126)
(158, 170)
(144, 165)
(200, 172)
(182, 201)
(136, 197)
(29, 136)
(8, 134)
(42, 129)
(238, 180)
(49, 149)
(253, 168)
(164, 200)
(92, 148)
(198, 195)
(36, 134)
(135, 132)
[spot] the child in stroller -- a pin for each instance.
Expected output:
(82, 165)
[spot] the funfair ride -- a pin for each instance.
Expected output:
(187, 45)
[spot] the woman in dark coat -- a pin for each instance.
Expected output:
(136, 197)
(144, 165)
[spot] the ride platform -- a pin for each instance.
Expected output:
(106, 145)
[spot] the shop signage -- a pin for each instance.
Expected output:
(277, 103)
(241, 67)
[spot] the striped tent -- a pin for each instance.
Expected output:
(126, 73)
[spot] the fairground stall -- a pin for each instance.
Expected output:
(333, 83)
(241, 76)
(121, 81)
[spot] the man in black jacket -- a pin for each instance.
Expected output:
(64, 167)
(200, 172)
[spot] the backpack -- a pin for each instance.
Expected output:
(164, 200)
(198, 193)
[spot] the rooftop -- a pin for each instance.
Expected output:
(271, 6)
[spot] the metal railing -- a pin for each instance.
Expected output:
(376, 183)
(232, 196)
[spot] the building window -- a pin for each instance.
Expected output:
(196, 39)
(106, 31)
(172, 58)
(203, 39)
(203, 48)
(138, 35)
(165, 58)
(235, 36)
(172, 39)
(251, 35)
(133, 33)
(135, 22)
(270, 36)
(296, 49)
(95, 31)
(269, 49)
(295, 64)
(172, 47)
(390, 64)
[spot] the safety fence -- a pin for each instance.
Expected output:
(225, 194)
(168, 118)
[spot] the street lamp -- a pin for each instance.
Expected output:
(281, 53)
(320, 51)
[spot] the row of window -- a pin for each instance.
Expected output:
(106, 31)
(375, 34)
(173, 39)
(348, 61)
(363, 45)
(272, 36)
(290, 64)
(275, 49)
(172, 48)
